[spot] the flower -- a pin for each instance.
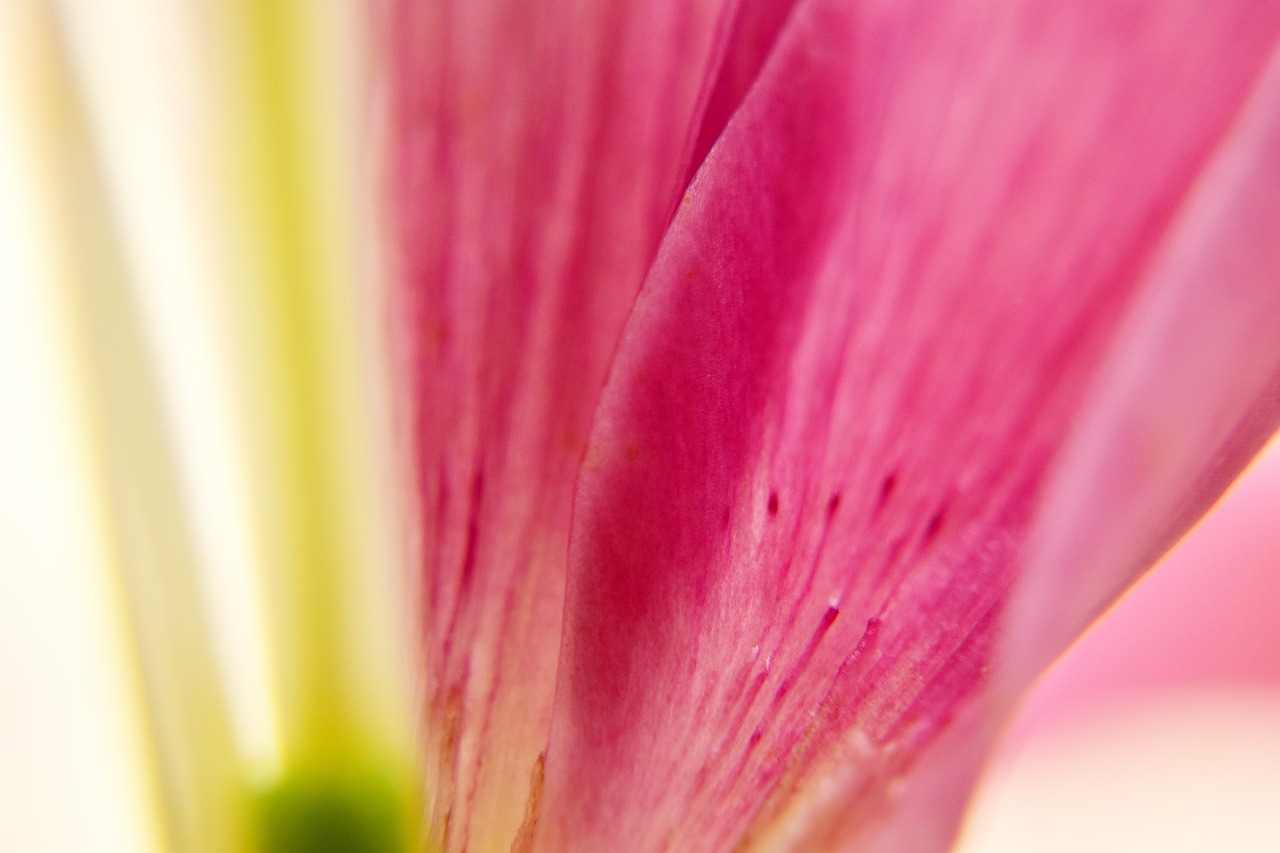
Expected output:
(789, 382)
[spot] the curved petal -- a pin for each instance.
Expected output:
(1189, 395)
(1221, 578)
(839, 397)
(538, 149)
(746, 41)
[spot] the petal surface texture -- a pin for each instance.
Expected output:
(538, 151)
(936, 266)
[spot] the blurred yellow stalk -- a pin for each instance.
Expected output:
(227, 135)
(292, 104)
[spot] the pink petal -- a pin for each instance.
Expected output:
(1188, 396)
(745, 42)
(1205, 621)
(538, 150)
(840, 397)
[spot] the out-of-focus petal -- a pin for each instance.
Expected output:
(538, 151)
(840, 396)
(1221, 579)
(1188, 394)
(1188, 397)
(1195, 641)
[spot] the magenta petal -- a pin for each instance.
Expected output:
(839, 398)
(539, 148)
(745, 42)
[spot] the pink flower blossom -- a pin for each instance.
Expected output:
(790, 382)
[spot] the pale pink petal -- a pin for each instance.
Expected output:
(1188, 396)
(839, 398)
(538, 150)
(1204, 620)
